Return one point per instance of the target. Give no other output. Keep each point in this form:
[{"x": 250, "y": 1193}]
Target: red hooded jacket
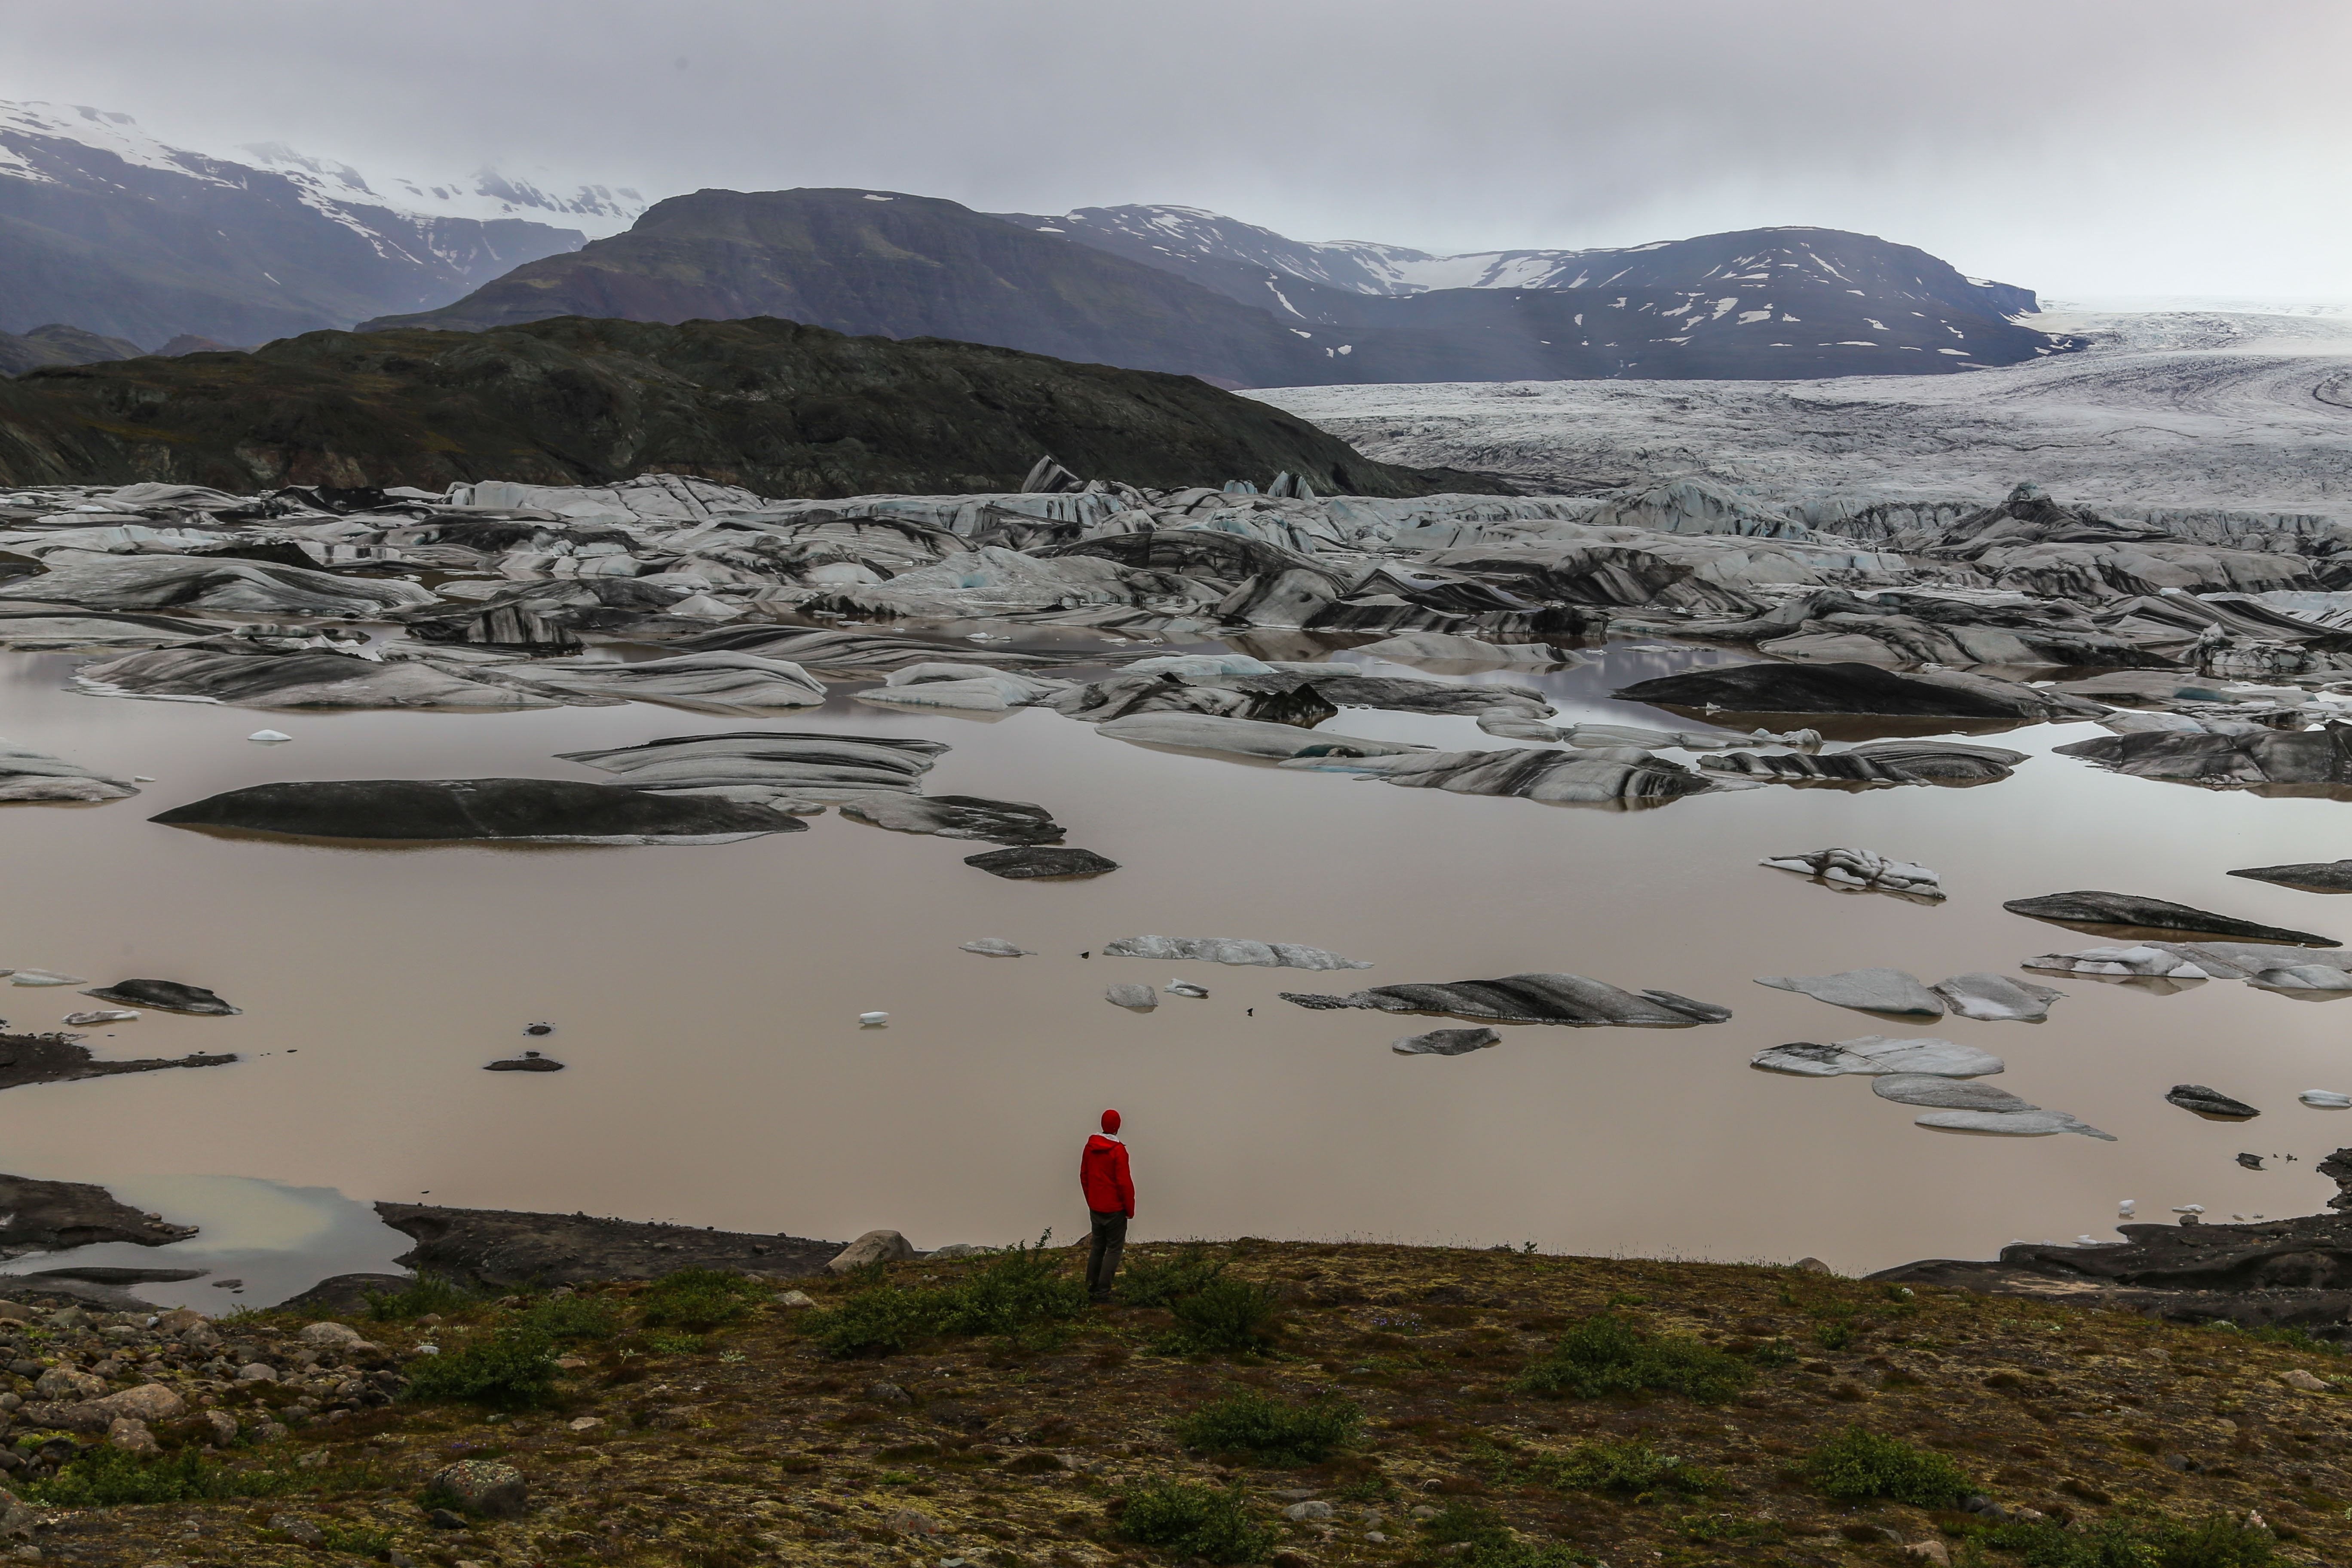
[{"x": 1102, "y": 1176}]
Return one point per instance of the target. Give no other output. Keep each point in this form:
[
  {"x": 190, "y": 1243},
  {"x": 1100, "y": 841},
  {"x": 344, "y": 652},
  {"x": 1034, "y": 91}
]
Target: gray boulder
[
  {"x": 1875, "y": 1054},
  {"x": 997, "y": 947},
  {"x": 1995, "y": 998},
  {"x": 1228, "y": 950},
  {"x": 1134, "y": 998},
  {"x": 165, "y": 995},
  {"x": 2311, "y": 876},
  {"x": 2094, "y": 909},
  {"x": 2211, "y": 1102},
  {"x": 1445, "y": 1043},
  {"x": 1540, "y": 998},
  {"x": 30, "y": 775},
  {"x": 543, "y": 811},
  {"x": 957, "y": 817},
  {"x": 874, "y": 1246},
  {"x": 1865, "y": 989},
  {"x": 1031, "y": 862},
  {"x": 1938, "y": 1092}
]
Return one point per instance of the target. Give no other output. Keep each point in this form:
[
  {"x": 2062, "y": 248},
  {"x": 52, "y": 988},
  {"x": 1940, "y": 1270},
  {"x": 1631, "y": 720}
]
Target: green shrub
[
  {"x": 1482, "y": 1540},
  {"x": 359, "y": 1539},
  {"x": 1162, "y": 1282},
  {"x": 573, "y": 1318},
  {"x": 1607, "y": 1354},
  {"x": 107, "y": 1477},
  {"x": 511, "y": 1369},
  {"x": 1225, "y": 1315},
  {"x": 428, "y": 1292},
  {"x": 2214, "y": 1542},
  {"x": 1248, "y": 1422},
  {"x": 883, "y": 1320},
  {"x": 1194, "y": 1520},
  {"x": 1014, "y": 1292},
  {"x": 700, "y": 1299},
  {"x": 1836, "y": 1336},
  {"x": 1857, "y": 1466},
  {"x": 1009, "y": 1291},
  {"x": 1628, "y": 1469},
  {"x": 662, "y": 1344}
]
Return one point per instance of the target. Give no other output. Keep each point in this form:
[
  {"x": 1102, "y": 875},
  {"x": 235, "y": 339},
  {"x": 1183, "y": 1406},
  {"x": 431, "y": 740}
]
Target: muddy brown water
[{"x": 706, "y": 1000}]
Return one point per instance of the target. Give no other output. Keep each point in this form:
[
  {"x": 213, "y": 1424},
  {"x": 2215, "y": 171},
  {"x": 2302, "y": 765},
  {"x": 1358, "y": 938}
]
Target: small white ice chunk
[{"x": 270, "y": 737}]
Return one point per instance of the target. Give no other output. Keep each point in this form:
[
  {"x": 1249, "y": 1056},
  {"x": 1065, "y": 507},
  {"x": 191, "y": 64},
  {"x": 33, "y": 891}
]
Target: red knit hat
[{"x": 1111, "y": 1122}]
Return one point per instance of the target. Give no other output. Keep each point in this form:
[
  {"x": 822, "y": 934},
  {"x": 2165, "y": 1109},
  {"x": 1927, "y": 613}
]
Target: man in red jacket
[{"x": 1110, "y": 1203}]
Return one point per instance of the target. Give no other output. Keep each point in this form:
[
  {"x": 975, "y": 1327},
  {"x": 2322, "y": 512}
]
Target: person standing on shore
[{"x": 1110, "y": 1203}]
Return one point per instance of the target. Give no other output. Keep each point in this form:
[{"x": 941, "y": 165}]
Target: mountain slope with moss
[{"x": 1295, "y": 1404}]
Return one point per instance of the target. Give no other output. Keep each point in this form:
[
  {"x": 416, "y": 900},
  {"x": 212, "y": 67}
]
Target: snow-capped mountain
[
  {"x": 1212, "y": 247},
  {"x": 485, "y": 195},
  {"x": 113, "y": 230}
]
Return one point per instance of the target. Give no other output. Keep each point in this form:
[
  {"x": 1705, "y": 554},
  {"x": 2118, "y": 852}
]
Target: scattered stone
[
  {"x": 301, "y": 1531},
  {"x": 1995, "y": 998},
  {"x": 1859, "y": 870},
  {"x": 1133, "y": 997},
  {"x": 1031, "y": 862},
  {"x": 482, "y": 1487},
  {"x": 908, "y": 1521},
  {"x": 1539, "y": 998},
  {"x": 530, "y": 1061},
  {"x": 544, "y": 810},
  {"x": 2250, "y": 1162},
  {"x": 874, "y": 1246},
  {"x": 1445, "y": 1043},
  {"x": 2210, "y": 1102},
  {"x": 2157, "y": 914},
  {"x": 1877, "y": 1053},
  {"x": 1228, "y": 950},
  {"x": 796, "y": 1299},
  {"x": 1299, "y": 1511},
  {"x": 997, "y": 947},
  {"x": 1865, "y": 989},
  {"x": 328, "y": 1332},
  {"x": 2295, "y": 1377},
  {"x": 888, "y": 1394},
  {"x": 165, "y": 996}
]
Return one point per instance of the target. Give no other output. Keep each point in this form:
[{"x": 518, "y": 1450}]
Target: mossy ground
[{"x": 755, "y": 1449}]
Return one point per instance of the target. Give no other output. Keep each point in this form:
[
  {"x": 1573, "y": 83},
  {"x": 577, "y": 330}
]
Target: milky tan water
[{"x": 706, "y": 999}]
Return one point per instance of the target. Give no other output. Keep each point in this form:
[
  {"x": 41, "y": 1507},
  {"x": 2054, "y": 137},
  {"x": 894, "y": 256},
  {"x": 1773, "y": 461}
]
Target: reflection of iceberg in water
[{"x": 279, "y": 1241}]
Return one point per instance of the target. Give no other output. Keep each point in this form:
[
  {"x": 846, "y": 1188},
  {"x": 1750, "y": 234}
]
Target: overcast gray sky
[{"x": 2075, "y": 146}]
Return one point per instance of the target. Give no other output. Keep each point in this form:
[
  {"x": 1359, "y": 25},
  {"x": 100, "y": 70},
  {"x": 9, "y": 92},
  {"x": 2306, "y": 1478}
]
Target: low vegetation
[{"x": 1294, "y": 1406}]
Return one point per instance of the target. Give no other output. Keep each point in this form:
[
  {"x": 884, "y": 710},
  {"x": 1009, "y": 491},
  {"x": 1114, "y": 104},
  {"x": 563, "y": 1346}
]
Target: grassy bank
[{"x": 1418, "y": 1405}]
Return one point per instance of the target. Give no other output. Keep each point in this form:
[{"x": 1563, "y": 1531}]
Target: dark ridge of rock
[
  {"x": 165, "y": 996},
  {"x": 57, "y": 1058},
  {"x": 50, "y": 1217},
  {"x": 345, "y": 1295},
  {"x": 2207, "y": 1101},
  {"x": 96, "y": 1275},
  {"x": 2092, "y": 909},
  {"x": 530, "y": 1061},
  {"x": 775, "y": 406},
  {"x": 511, "y": 1248},
  {"x": 1773, "y": 687},
  {"x": 1445, "y": 1043},
  {"x": 544, "y": 810},
  {"x": 1032, "y": 861},
  {"x": 1262, "y": 699},
  {"x": 1537, "y": 998},
  {"x": 2284, "y": 762},
  {"x": 2294, "y": 1273},
  {"x": 2310, "y": 876}
]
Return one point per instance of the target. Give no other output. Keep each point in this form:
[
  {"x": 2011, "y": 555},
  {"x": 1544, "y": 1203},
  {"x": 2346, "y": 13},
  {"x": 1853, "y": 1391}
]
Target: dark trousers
[{"x": 1102, "y": 1258}]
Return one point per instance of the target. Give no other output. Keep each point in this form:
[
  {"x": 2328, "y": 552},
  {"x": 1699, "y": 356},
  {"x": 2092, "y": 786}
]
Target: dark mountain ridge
[
  {"x": 780, "y": 408},
  {"x": 1767, "y": 303}
]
